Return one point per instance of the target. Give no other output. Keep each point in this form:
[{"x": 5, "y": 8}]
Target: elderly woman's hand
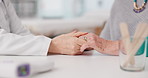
[
  {"x": 68, "y": 44},
  {"x": 100, "y": 44}
]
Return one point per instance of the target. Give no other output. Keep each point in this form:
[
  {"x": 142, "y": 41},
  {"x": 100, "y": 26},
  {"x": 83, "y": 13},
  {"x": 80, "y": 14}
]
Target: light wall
[
  {"x": 60, "y": 8},
  {"x": 98, "y": 5},
  {"x": 72, "y": 8}
]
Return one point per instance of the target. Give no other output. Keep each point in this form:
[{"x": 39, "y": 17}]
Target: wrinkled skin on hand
[
  {"x": 100, "y": 44},
  {"x": 67, "y": 44}
]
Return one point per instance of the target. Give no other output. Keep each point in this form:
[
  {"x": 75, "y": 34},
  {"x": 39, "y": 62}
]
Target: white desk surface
[{"x": 89, "y": 65}]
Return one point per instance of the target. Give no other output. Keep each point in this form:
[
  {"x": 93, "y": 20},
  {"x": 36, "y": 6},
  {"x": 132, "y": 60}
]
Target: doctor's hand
[
  {"x": 100, "y": 44},
  {"x": 68, "y": 44}
]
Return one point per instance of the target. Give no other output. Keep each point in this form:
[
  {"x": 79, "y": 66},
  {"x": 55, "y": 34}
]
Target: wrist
[{"x": 52, "y": 47}]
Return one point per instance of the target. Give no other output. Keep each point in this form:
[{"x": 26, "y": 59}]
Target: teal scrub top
[
  {"x": 147, "y": 47},
  {"x": 142, "y": 48}
]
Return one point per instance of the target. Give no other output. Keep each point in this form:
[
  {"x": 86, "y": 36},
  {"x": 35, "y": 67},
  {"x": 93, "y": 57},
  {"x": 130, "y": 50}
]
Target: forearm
[{"x": 108, "y": 46}]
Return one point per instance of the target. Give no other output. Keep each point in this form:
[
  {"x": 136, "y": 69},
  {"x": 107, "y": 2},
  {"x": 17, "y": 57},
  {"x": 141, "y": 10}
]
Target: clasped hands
[{"x": 75, "y": 43}]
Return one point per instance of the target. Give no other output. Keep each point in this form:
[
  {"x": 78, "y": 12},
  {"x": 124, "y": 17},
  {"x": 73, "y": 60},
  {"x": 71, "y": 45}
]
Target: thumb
[
  {"x": 78, "y": 34},
  {"x": 83, "y": 47}
]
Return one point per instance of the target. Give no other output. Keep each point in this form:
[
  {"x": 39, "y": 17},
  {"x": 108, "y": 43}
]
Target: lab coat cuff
[{"x": 46, "y": 46}]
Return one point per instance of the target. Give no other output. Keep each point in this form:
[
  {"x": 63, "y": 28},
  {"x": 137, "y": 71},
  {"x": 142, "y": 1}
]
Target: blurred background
[{"x": 55, "y": 17}]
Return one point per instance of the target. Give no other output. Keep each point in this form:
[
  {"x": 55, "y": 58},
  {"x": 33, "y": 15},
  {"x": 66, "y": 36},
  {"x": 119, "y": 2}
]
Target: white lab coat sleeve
[
  {"x": 12, "y": 44},
  {"x": 15, "y": 23}
]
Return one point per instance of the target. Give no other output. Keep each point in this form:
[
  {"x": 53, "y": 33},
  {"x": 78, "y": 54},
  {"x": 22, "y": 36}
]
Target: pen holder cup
[{"x": 132, "y": 57}]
